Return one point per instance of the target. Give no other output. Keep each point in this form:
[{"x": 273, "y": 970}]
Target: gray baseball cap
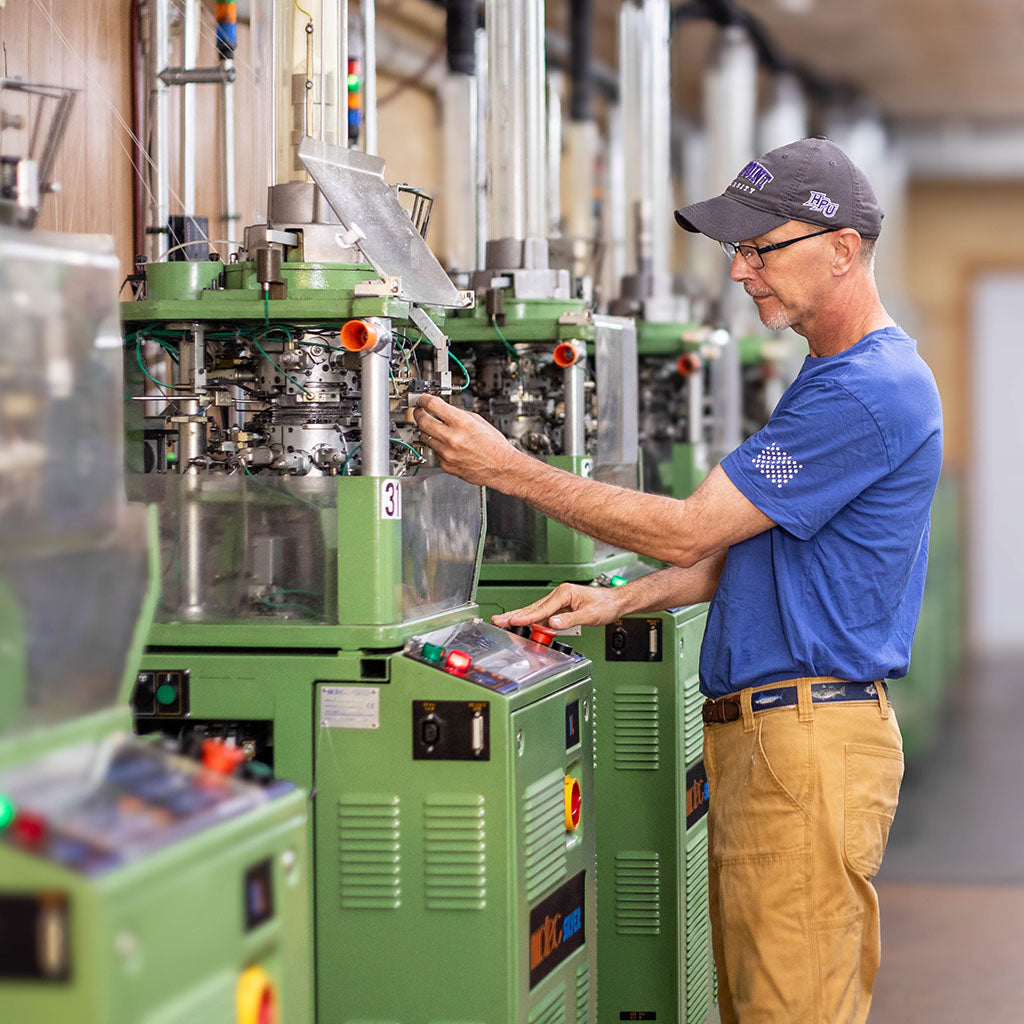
[{"x": 810, "y": 180}]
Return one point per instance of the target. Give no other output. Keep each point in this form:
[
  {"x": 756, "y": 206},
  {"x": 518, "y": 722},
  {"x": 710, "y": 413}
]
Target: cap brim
[{"x": 727, "y": 220}]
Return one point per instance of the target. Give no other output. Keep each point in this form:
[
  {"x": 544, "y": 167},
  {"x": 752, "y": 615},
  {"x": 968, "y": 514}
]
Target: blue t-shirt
[{"x": 847, "y": 467}]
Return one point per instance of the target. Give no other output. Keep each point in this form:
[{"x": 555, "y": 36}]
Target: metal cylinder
[
  {"x": 230, "y": 215},
  {"x": 535, "y": 140},
  {"x": 192, "y": 431},
  {"x": 160, "y": 153},
  {"x": 581, "y": 29},
  {"x": 459, "y": 114},
  {"x": 784, "y": 120},
  {"x": 574, "y": 430},
  {"x": 190, "y": 547},
  {"x": 188, "y": 149},
  {"x": 369, "y": 76},
  {"x": 375, "y": 407},
  {"x": 506, "y": 119},
  {"x": 644, "y": 73}
]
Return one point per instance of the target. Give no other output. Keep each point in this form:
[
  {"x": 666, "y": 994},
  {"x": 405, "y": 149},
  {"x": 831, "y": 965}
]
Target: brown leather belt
[{"x": 727, "y": 709}]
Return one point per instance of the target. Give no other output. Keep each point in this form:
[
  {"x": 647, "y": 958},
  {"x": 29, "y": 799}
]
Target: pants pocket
[{"x": 873, "y": 777}]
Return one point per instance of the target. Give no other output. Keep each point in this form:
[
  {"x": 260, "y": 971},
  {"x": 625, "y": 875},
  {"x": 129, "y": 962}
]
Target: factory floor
[{"x": 951, "y": 887}]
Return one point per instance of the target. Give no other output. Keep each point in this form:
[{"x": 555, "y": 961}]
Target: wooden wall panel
[{"x": 83, "y": 45}]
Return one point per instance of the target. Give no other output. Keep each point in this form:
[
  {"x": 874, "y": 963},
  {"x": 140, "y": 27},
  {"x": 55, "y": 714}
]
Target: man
[{"x": 810, "y": 540}]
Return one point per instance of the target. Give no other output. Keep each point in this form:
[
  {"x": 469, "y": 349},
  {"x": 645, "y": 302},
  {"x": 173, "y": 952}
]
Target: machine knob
[
  {"x": 220, "y": 756},
  {"x": 542, "y": 635},
  {"x": 573, "y": 803}
]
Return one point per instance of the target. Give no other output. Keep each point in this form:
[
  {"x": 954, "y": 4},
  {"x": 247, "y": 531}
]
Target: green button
[
  {"x": 432, "y": 653},
  {"x": 6, "y": 812},
  {"x": 618, "y": 581},
  {"x": 167, "y": 694}
]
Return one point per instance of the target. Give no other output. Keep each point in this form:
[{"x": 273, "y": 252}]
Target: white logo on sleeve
[{"x": 780, "y": 467}]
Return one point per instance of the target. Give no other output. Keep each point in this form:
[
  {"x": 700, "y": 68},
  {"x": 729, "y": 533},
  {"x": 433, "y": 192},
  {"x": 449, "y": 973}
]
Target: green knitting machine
[
  {"x": 137, "y": 883},
  {"x": 318, "y": 613},
  {"x": 561, "y": 384}
]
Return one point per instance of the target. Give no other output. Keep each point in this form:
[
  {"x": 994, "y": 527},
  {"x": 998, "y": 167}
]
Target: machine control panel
[
  {"x": 502, "y": 660},
  {"x": 99, "y": 805}
]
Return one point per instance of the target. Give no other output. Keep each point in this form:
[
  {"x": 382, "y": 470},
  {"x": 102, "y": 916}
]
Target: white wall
[{"x": 996, "y": 465}]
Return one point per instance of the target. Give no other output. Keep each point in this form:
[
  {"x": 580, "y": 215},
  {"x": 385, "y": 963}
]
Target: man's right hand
[{"x": 569, "y": 604}]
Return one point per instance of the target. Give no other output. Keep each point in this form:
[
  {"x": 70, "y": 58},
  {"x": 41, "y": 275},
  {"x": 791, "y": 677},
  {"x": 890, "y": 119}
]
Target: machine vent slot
[
  {"x": 454, "y": 851},
  {"x": 693, "y": 723},
  {"x": 583, "y": 993},
  {"x": 369, "y": 852},
  {"x": 637, "y": 893},
  {"x": 698, "y": 928},
  {"x": 551, "y": 1011},
  {"x": 544, "y": 833},
  {"x": 636, "y": 728}
]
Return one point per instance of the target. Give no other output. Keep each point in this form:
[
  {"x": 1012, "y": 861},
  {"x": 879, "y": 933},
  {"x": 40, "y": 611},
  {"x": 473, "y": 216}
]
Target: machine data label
[
  {"x": 697, "y": 794},
  {"x": 637, "y": 1015},
  {"x": 557, "y": 927},
  {"x": 390, "y": 499},
  {"x": 350, "y": 707}
]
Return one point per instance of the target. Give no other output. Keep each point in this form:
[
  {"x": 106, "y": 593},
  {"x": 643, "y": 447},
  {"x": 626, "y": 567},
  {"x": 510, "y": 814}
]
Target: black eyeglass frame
[{"x": 749, "y": 251}]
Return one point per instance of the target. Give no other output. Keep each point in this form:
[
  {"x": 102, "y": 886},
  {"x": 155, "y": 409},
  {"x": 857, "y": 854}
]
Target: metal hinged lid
[{"x": 374, "y": 220}]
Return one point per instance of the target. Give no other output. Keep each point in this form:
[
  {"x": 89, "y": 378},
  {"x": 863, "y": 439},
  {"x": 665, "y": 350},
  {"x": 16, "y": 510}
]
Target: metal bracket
[{"x": 389, "y": 288}]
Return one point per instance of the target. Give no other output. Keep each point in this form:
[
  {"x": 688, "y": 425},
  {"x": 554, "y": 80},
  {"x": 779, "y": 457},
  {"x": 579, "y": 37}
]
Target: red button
[
  {"x": 542, "y": 635},
  {"x": 29, "y": 829},
  {"x": 573, "y": 803},
  {"x": 457, "y": 661},
  {"x": 221, "y": 757}
]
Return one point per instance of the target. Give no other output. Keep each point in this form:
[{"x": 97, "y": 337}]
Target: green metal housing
[{"x": 654, "y": 939}]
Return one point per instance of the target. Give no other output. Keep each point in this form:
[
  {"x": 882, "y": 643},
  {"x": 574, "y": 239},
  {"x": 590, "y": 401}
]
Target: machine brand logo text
[
  {"x": 557, "y": 928},
  {"x": 697, "y": 793}
]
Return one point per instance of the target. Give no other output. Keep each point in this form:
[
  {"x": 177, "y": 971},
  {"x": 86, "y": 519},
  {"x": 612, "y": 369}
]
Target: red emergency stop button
[
  {"x": 542, "y": 635},
  {"x": 573, "y": 802},
  {"x": 255, "y": 998}
]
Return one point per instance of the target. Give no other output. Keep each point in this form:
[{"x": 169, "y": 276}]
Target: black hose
[
  {"x": 581, "y": 32},
  {"x": 461, "y": 32}
]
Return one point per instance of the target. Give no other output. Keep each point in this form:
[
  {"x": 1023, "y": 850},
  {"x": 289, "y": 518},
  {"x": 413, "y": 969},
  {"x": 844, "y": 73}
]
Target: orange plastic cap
[
  {"x": 566, "y": 354},
  {"x": 358, "y": 336},
  {"x": 218, "y": 756},
  {"x": 688, "y": 363}
]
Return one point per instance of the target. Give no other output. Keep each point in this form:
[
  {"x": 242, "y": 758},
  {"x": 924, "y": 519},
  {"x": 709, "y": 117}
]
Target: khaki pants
[{"x": 801, "y": 800}]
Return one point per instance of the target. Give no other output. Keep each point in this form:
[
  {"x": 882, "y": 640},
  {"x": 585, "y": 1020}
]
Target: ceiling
[{"x": 913, "y": 59}]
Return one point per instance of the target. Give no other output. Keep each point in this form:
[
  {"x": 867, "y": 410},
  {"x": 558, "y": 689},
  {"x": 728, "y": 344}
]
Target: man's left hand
[{"x": 466, "y": 444}]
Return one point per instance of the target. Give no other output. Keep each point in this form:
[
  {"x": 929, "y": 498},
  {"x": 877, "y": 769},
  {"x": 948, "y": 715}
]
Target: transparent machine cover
[{"x": 73, "y": 555}]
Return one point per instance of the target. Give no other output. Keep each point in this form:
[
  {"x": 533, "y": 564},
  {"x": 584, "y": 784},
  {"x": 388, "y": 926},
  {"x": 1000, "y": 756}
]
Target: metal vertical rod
[
  {"x": 695, "y": 407},
  {"x": 376, "y": 413},
  {"x": 322, "y": 76},
  {"x": 370, "y": 75},
  {"x": 536, "y": 121},
  {"x": 574, "y": 433},
  {"x": 228, "y": 112},
  {"x": 191, "y": 437},
  {"x": 341, "y": 78},
  {"x": 190, "y": 57},
  {"x": 553, "y": 169},
  {"x": 159, "y": 48},
  {"x": 506, "y": 120},
  {"x": 482, "y": 142}
]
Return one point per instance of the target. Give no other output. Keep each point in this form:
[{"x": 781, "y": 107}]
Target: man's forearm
[
  {"x": 673, "y": 587},
  {"x": 649, "y": 524}
]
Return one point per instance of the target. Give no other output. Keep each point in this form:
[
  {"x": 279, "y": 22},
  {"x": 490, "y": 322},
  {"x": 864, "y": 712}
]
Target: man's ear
[{"x": 845, "y": 250}]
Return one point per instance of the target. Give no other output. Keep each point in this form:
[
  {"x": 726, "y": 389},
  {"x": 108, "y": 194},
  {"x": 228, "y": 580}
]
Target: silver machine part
[
  {"x": 461, "y": 142},
  {"x": 25, "y": 180},
  {"x": 615, "y": 362},
  {"x": 574, "y": 441},
  {"x": 369, "y": 11},
  {"x": 374, "y": 453}
]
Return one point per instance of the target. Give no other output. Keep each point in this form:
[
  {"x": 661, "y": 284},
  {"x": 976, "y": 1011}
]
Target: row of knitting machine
[{"x": 498, "y": 825}]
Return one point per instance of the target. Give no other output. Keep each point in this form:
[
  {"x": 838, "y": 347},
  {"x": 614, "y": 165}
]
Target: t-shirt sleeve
[{"x": 813, "y": 457}]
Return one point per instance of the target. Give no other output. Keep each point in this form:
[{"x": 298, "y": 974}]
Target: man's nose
[{"x": 740, "y": 270}]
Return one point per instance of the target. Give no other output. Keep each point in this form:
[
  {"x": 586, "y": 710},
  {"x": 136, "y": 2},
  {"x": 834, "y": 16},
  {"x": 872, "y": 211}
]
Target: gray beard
[{"x": 778, "y": 322}]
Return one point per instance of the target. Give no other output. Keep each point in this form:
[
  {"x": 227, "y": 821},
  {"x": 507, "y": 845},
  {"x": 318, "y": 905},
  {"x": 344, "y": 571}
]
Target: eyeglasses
[{"x": 753, "y": 253}]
